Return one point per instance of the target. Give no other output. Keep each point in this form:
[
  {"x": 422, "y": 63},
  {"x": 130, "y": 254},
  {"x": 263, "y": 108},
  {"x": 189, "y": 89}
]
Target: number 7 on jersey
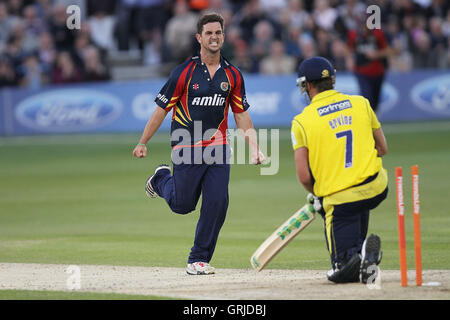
[{"x": 348, "y": 135}]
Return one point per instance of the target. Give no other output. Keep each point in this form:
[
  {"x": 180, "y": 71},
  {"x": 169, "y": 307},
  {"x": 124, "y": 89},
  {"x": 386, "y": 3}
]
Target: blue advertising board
[{"x": 274, "y": 101}]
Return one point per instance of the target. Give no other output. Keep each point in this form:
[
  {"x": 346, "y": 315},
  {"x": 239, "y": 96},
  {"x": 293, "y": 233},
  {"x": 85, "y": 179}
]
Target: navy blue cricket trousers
[
  {"x": 182, "y": 190},
  {"x": 349, "y": 221}
]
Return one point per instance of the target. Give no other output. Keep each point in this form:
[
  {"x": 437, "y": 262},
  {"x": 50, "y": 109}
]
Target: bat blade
[{"x": 282, "y": 236}]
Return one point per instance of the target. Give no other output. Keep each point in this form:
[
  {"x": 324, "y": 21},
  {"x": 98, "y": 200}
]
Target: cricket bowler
[{"x": 200, "y": 93}]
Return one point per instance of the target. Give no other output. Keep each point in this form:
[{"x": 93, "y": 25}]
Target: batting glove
[{"x": 314, "y": 201}]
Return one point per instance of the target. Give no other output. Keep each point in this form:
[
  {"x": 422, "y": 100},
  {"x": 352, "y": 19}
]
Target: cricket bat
[{"x": 282, "y": 236}]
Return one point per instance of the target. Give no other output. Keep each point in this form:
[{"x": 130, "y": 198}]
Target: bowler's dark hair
[
  {"x": 323, "y": 84},
  {"x": 207, "y": 18}
]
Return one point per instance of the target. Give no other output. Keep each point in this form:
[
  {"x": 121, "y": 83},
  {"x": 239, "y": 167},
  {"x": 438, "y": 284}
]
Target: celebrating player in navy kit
[{"x": 199, "y": 92}]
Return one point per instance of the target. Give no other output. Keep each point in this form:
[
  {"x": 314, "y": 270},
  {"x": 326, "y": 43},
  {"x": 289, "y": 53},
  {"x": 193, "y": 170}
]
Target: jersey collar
[
  {"x": 223, "y": 62},
  {"x": 323, "y": 95}
]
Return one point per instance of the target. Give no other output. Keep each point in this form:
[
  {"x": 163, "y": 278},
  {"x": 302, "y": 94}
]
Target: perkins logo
[
  {"x": 68, "y": 110},
  {"x": 335, "y": 107},
  {"x": 433, "y": 95},
  {"x": 216, "y": 101}
]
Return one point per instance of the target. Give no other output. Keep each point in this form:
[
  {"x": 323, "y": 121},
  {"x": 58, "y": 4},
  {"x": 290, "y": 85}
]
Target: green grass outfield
[
  {"x": 72, "y": 295},
  {"x": 79, "y": 199}
]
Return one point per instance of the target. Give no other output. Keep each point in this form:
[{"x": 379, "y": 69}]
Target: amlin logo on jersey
[
  {"x": 335, "y": 107},
  {"x": 216, "y": 101},
  {"x": 68, "y": 110}
]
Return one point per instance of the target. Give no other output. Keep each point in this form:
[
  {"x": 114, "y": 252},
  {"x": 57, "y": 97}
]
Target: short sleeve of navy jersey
[
  {"x": 238, "y": 99},
  {"x": 165, "y": 95},
  {"x": 171, "y": 91}
]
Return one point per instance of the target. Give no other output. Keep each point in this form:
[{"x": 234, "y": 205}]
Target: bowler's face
[{"x": 212, "y": 37}]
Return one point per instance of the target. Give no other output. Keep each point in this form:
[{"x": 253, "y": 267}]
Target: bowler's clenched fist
[{"x": 140, "y": 151}]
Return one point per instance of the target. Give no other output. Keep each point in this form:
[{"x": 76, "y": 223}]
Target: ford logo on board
[
  {"x": 68, "y": 110},
  {"x": 433, "y": 95}
]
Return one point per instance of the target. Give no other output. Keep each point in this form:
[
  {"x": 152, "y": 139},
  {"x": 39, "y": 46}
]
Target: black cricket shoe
[
  {"x": 371, "y": 258},
  {"x": 347, "y": 273},
  {"x": 151, "y": 193}
]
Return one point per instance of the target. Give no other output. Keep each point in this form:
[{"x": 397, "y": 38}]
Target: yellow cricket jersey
[{"x": 338, "y": 130}]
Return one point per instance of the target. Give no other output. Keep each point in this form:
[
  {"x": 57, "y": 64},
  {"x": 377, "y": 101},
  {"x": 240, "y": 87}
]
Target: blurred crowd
[{"x": 262, "y": 36}]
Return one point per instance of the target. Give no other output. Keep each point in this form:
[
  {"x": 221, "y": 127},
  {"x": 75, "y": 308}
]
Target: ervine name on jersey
[
  {"x": 340, "y": 120},
  {"x": 216, "y": 101},
  {"x": 334, "y": 107}
]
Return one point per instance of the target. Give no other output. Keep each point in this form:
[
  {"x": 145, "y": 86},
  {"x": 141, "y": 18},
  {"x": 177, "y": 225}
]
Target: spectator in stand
[
  {"x": 422, "y": 55},
  {"x": 446, "y": 25},
  {"x": 44, "y": 9},
  {"x": 101, "y": 26},
  {"x": 33, "y": 23},
  {"x": 180, "y": 31},
  {"x": 278, "y": 62},
  {"x": 7, "y": 73},
  {"x": 15, "y": 7},
  {"x": 294, "y": 15},
  {"x": 324, "y": 15},
  {"x": 126, "y": 24},
  {"x": 438, "y": 42},
  {"x": 145, "y": 19},
  {"x": 437, "y": 8},
  {"x": 27, "y": 41},
  {"x": 82, "y": 43},
  {"x": 273, "y": 7},
  {"x": 263, "y": 37},
  {"x": 151, "y": 18},
  {"x": 30, "y": 27},
  {"x": 14, "y": 51},
  {"x": 407, "y": 25},
  {"x": 323, "y": 43},
  {"x": 232, "y": 37},
  {"x": 65, "y": 70},
  {"x": 6, "y": 25},
  {"x": 419, "y": 25},
  {"x": 94, "y": 69},
  {"x": 291, "y": 42},
  {"x": 307, "y": 46},
  {"x": 402, "y": 61},
  {"x": 404, "y": 8},
  {"x": 31, "y": 73},
  {"x": 46, "y": 52},
  {"x": 349, "y": 12},
  {"x": 219, "y": 6},
  {"x": 249, "y": 16},
  {"x": 108, "y": 7},
  {"x": 63, "y": 37},
  {"x": 448, "y": 52},
  {"x": 242, "y": 58},
  {"x": 340, "y": 55}
]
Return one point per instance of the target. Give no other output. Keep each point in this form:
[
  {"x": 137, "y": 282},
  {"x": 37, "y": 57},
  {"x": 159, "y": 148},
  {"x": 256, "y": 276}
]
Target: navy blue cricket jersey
[{"x": 194, "y": 96}]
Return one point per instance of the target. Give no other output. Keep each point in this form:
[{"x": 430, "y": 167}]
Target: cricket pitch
[{"x": 235, "y": 284}]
